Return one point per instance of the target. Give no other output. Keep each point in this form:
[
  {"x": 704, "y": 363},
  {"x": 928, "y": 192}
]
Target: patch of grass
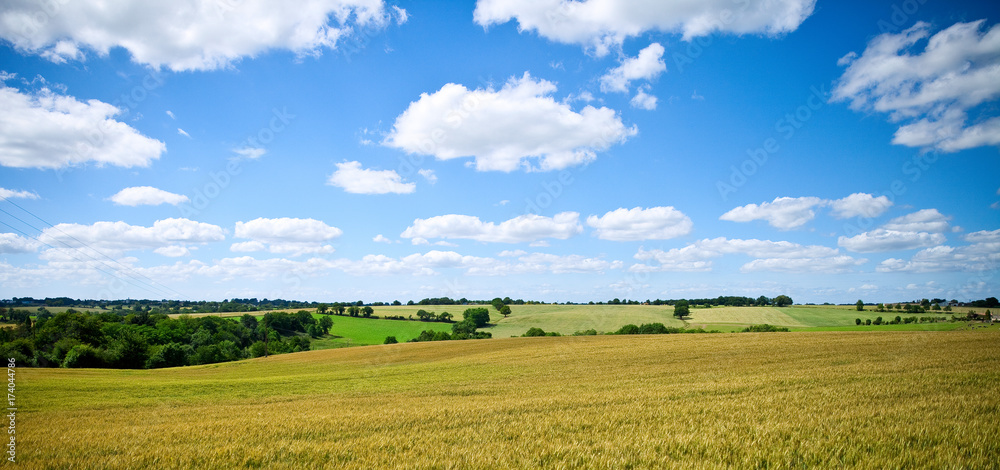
[{"x": 878, "y": 399}]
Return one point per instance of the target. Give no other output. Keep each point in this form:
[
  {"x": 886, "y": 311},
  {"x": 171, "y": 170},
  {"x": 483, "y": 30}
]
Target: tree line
[{"x": 144, "y": 340}]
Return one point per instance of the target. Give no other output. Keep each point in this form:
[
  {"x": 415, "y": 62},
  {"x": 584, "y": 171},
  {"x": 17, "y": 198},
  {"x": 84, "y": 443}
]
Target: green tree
[
  {"x": 390, "y": 340},
  {"x": 505, "y": 311},
  {"x": 860, "y": 306},
  {"x": 857, "y": 321},
  {"x": 682, "y": 309},
  {"x": 497, "y": 303},
  {"x": 534, "y": 331},
  {"x": 479, "y": 316},
  {"x": 325, "y": 324},
  {"x": 322, "y": 308},
  {"x": 782, "y": 301}
]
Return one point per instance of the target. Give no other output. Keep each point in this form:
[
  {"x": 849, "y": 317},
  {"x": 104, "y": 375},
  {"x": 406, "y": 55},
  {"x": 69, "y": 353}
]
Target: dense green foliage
[
  {"x": 144, "y": 340},
  {"x": 765, "y": 328},
  {"x": 656, "y": 329}
]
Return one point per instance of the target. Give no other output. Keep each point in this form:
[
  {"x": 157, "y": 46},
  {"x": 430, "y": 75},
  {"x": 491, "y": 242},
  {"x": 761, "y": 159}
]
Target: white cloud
[
  {"x": 601, "y": 25},
  {"x": 428, "y": 175},
  {"x": 47, "y": 130},
  {"x": 930, "y": 92},
  {"x": 983, "y": 236},
  {"x": 860, "y": 205},
  {"x": 926, "y": 220},
  {"x": 642, "y": 100},
  {"x": 117, "y": 237},
  {"x": 646, "y": 66},
  {"x": 505, "y": 129},
  {"x": 285, "y": 235},
  {"x": 831, "y": 265},
  {"x": 14, "y": 243},
  {"x": 354, "y": 179},
  {"x": 381, "y": 239},
  {"x": 980, "y": 257},
  {"x": 173, "y": 251},
  {"x": 521, "y": 229},
  {"x": 187, "y": 34},
  {"x": 697, "y": 256},
  {"x": 784, "y": 213},
  {"x": 250, "y": 153},
  {"x": 655, "y": 223},
  {"x": 16, "y": 194},
  {"x": 183, "y": 132},
  {"x": 171, "y": 114},
  {"x": 146, "y": 196},
  {"x": 889, "y": 240}
]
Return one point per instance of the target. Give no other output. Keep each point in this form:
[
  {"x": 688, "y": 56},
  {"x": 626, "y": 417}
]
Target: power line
[{"x": 129, "y": 271}]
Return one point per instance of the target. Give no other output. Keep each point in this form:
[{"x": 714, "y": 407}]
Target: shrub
[
  {"x": 765, "y": 328},
  {"x": 390, "y": 340},
  {"x": 84, "y": 355},
  {"x": 534, "y": 331},
  {"x": 629, "y": 329}
]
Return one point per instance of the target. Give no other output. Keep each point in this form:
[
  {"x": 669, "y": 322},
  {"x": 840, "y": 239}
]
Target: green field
[
  {"x": 355, "y": 331},
  {"x": 880, "y": 399}
]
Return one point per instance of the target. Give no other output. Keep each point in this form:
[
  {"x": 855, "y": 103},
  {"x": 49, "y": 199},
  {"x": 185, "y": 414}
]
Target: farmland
[{"x": 873, "y": 399}]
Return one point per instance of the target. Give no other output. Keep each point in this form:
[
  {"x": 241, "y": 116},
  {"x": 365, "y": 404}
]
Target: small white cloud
[
  {"x": 926, "y": 220},
  {"x": 16, "y": 194},
  {"x": 250, "y": 153},
  {"x": 696, "y": 96},
  {"x": 354, "y": 179},
  {"x": 860, "y": 205},
  {"x": 646, "y": 66},
  {"x": 784, "y": 213},
  {"x": 642, "y": 100},
  {"x": 401, "y": 15},
  {"x": 147, "y": 196},
  {"x": 525, "y": 228},
  {"x": 173, "y": 251},
  {"x": 889, "y": 240},
  {"x": 428, "y": 175},
  {"x": 183, "y": 132},
  {"x": 655, "y": 223},
  {"x": 171, "y": 114},
  {"x": 511, "y": 253},
  {"x": 381, "y": 239}
]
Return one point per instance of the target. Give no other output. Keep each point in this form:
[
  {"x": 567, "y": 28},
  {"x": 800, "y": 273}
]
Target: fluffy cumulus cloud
[
  {"x": 860, "y": 205},
  {"x": 601, "y": 25},
  {"x": 643, "y": 100},
  {"x": 186, "y": 34},
  {"x": 979, "y": 257},
  {"x": 506, "y": 129},
  {"x": 146, "y": 196},
  {"x": 655, "y": 223},
  {"x": 16, "y": 194},
  {"x": 285, "y": 235},
  {"x": 925, "y": 220},
  {"x": 354, "y": 179},
  {"x": 784, "y": 213},
  {"x": 782, "y": 256},
  {"x": 47, "y": 130},
  {"x": 930, "y": 92},
  {"x": 889, "y": 240},
  {"x": 647, "y": 65},
  {"x": 14, "y": 243},
  {"x": 522, "y": 229},
  {"x": 114, "y": 238}
]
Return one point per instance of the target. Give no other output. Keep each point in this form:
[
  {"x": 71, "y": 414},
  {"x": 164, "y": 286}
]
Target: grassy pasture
[{"x": 836, "y": 399}]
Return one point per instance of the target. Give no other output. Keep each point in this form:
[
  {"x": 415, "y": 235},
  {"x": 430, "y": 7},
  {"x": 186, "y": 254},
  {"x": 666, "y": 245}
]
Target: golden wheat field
[{"x": 769, "y": 400}]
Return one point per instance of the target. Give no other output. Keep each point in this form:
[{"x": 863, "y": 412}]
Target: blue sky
[{"x": 549, "y": 150}]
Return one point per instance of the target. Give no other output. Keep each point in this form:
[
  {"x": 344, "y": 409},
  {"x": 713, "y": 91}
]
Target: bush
[
  {"x": 167, "y": 355},
  {"x": 629, "y": 329},
  {"x": 857, "y": 321},
  {"x": 534, "y": 331},
  {"x": 479, "y": 316},
  {"x": 84, "y": 355},
  {"x": 765, "y": 328},
  {"x": 390, "y": 340},
  {"x": 590, "y": 332},
  {"x": 653, "y": 329}
]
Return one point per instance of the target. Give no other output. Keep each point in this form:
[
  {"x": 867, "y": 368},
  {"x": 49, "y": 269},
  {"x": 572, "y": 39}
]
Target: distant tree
[
  {"x": 249, "y": 322},
  {"x": 762, "y": 301},
  {"x": 497, "y": 303},
  {"x": 396, "y": 303},
  {"x": 445, "y": 317},
  {"x": 935, "y": 307},
  {"x": 869, "y": 321},
  {"x": 878, "y": 320},
  {"x": 947, "y": 308},
  {"x": 479, "y": 316},
  {"x": 325, "y": 324},
  {"x": 860, "y": 306},
  {"x": 534, "y": 331},
  {"x": 879, "y": 308},
  {"x": 424, "y": 315},
  {"x": 505, "y": 311},
  {"x": 926, "y": 304},
  {"x": 390, "y": 340},
  {"x": 322, "y": 308},
  {"x": 682, "y": 309},
  {"x": 782, "y": 301},
  {"x": 857, "y": 321},
  {"x": 367, "y": 311}
]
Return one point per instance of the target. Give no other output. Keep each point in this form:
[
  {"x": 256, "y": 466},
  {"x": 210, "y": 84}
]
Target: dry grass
[{"x": 841, "y": 399}]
